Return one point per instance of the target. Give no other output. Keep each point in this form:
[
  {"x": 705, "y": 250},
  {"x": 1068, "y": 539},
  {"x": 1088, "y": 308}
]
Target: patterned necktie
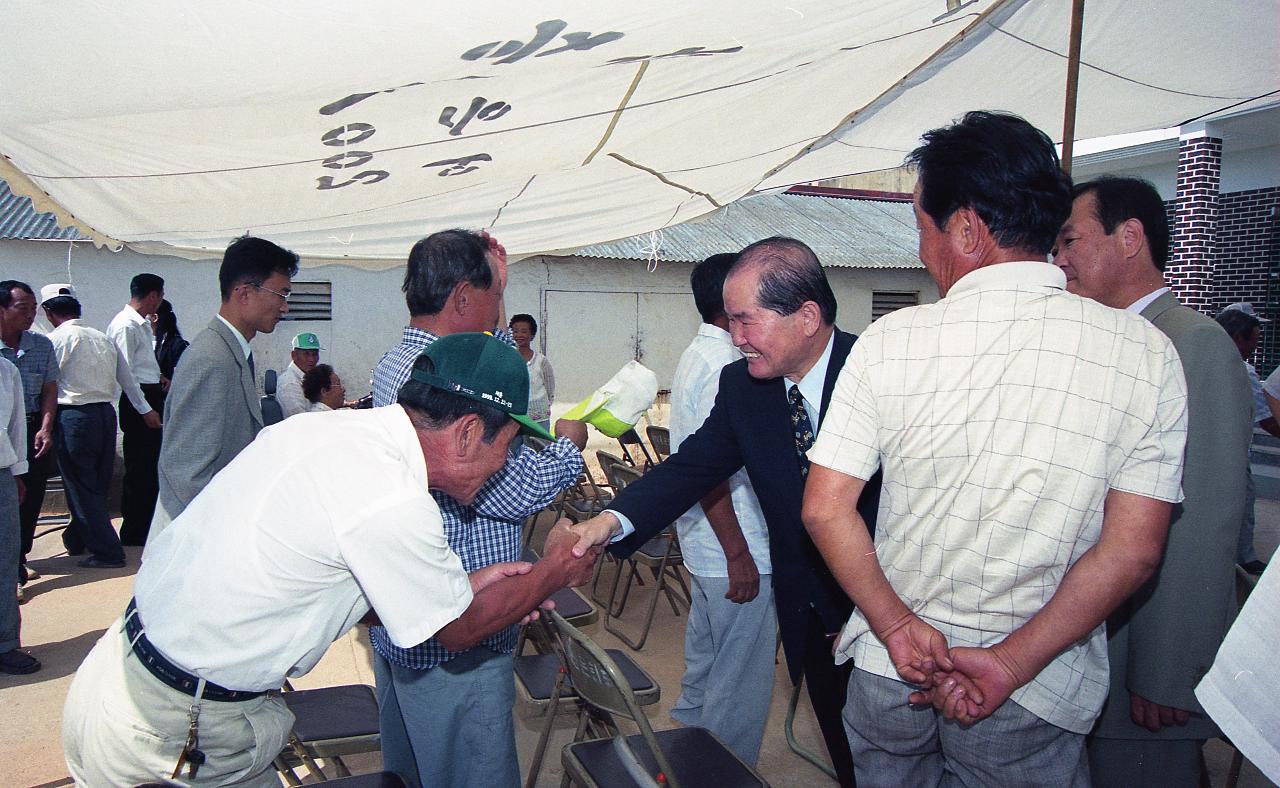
[{"x": 801, "y": 427}]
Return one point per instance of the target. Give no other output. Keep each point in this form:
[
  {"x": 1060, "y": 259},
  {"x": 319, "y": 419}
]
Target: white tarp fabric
[{"x": 349, "y": 130}]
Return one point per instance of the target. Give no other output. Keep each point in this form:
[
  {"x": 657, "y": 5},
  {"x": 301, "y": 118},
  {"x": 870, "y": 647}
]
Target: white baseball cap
[{"x": 54, "y": 290}]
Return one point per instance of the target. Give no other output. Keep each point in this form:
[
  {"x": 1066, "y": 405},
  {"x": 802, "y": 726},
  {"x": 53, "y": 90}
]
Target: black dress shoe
[
  {"x": 93, "y": 562},
  {"x": 1254, "y": 567}
]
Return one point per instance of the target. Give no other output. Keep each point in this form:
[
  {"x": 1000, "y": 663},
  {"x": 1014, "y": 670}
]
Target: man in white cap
[
  {"x": 303, "y": 358},
  {"x": 91, "y": 372},
  {"x": 1244, "y": 326}
]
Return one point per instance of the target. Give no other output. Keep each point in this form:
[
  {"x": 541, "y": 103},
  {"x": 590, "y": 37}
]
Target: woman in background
[
  {"x": 542, "y": 380},
  {"x": 169, "y": 341},
  {"x": 323, "y": 388}
]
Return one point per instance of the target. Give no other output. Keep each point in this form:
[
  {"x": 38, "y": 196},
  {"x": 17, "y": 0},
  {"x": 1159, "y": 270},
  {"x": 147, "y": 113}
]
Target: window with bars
[
  {"x": 310, "y": 301},
  {"x": 885, "y": 301}
]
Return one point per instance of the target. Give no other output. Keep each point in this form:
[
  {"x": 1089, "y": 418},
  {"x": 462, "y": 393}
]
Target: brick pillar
[{"x": 1195, "y": 225}]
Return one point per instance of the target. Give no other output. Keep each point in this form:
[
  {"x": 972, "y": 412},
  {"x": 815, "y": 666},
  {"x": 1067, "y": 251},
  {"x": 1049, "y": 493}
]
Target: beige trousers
[{"x": 122, "y": 726}]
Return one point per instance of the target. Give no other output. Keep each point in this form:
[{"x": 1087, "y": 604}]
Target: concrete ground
[{"x": 69, "y": 608}]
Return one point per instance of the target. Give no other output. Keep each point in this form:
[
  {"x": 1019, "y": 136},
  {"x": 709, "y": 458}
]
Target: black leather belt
[{"x": 169, "y": 673}]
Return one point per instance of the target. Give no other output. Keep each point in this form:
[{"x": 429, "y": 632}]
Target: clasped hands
[{"x": 965, "y": 684}]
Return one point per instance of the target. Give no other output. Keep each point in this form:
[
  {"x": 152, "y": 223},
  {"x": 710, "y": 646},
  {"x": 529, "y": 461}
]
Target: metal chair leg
[
  {"x": 789, "y": 729},
  {"x": 545, "y": 737}
]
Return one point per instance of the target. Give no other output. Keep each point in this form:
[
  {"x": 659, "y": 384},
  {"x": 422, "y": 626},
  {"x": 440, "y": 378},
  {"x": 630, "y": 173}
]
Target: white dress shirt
[
  {"x": 13, "y": 444},
  {"x": 91, "y": 368},
  {"x": 318, "y": 407},
  {"x": 1001, "y": 416},
  {"x": 812, "y": 383},
  {"x": 289, "y": 392},
  {"x": 693, "y": 393},
  {"x": 244, "y": 343},
  {"x": 287, "y": 548},
  {"x": 137, "y": 342}
]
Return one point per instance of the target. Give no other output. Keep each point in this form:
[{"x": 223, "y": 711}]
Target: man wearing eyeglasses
[{"x": 213, "y": 410}]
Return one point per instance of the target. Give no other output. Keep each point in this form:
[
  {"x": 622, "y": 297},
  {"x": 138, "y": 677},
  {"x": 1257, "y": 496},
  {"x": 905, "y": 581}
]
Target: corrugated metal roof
[
  {"x": 18, "y": 219},
  {"x": 847, "y": 233}
]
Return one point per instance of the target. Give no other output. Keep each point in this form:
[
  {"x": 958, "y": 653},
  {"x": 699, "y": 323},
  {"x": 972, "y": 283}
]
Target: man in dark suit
[
  {"x": 1163, "y": 639},
  {"x": 213, "y": 410},
  {"x": 782, "y": 317}
]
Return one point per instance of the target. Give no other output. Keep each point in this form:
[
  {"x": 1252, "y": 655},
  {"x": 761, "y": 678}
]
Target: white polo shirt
[
  {"x": 91, "y": 369},
  {"x": 289, "y": 545},
  {"x": 289, "y": 391},
  {"x": 1001, "y": 417}
]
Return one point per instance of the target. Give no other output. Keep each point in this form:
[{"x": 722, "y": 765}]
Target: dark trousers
[
  {"x": 86, "y": 442},
  {"x": 141, "y": 457},
  {"x": 828, "y": 683},
  {"x": 35, "y": 479}
]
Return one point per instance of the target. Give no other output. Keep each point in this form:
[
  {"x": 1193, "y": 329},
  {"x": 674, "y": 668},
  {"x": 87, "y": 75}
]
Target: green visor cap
[
  {"x": 306, "y": 341},
  {"x": 483, "y": 368}
]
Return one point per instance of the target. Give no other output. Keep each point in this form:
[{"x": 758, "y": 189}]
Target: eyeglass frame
[{"x": 282, "y": 296}]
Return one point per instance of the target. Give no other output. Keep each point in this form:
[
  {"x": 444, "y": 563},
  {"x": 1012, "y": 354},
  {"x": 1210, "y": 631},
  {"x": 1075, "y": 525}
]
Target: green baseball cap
[
  {"x": 483, "y": 368},
  {"x": 307, "y": 340}
]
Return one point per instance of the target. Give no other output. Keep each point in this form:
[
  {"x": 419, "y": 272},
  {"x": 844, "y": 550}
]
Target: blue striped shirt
[{"x": 489, "y": 530}]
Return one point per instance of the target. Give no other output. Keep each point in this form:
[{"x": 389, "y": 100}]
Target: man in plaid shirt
[{"x": 445, "y": 716}]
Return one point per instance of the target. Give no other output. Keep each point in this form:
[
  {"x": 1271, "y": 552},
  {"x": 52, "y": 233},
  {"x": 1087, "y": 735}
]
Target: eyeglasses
[{"x": 284, "y": 296}]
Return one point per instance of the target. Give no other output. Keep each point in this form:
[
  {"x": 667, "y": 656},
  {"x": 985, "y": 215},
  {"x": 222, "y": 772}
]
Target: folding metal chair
[
  {"x": 661, "y": 555},
  {"x": 660, "y": 440},
  {"x": 542, "y": 681},
  {"x": 631, "y": 438},
  {"x": 330, "y": 722},
  {"x": 375, "y": 780},
  {"x": 789, "y": 730},
  {"x": 680, "y": 756}
]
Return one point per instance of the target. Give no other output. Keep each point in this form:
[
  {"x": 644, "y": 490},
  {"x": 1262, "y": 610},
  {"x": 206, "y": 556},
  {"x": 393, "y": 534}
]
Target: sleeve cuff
[{"x": 627, "y": 528}]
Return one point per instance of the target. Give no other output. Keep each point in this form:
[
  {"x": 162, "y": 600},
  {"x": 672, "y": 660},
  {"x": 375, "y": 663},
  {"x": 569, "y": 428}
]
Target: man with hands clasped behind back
[{"x": 1031, "y": 443}]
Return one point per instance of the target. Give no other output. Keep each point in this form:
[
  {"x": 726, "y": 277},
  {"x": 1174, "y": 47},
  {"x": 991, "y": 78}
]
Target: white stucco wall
[{"x": 599, "y": 305}]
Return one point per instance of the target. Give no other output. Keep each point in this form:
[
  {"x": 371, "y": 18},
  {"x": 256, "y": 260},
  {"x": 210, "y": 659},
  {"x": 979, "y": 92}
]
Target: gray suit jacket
[
  {"x": 1164, "y": 638},
  {"x": 212, "y": 412}
]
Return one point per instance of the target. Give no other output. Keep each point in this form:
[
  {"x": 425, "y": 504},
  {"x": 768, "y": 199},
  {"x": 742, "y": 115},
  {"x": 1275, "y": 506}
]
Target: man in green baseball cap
[
  {"x": 302, "y": 359},
  {"x": 328, "y": 521},
  {"x": 484, "y": 369}
]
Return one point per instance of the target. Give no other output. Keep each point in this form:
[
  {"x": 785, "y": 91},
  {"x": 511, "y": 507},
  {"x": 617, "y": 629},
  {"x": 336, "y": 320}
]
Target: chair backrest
[
  {"x": 632, "y": 438},
  {"x": 536, "y": 443},
  {"x": 624, "y": 475},
  {"x": 607, "y": 461},
  {"x": 601, "y": 684},
  {"x": 660, "y": 439},
  {"x": 271, "y": 410}
]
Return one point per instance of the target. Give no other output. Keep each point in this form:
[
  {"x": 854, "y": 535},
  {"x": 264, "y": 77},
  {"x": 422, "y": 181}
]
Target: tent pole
[{"x": 1073, "y": 82}]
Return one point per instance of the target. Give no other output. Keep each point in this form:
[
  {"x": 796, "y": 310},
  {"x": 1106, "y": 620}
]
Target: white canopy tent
[{"x": 350, "y": 130}]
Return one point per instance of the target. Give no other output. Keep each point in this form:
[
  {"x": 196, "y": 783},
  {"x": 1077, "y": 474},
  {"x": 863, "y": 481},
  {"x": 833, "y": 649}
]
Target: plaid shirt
[{"x": 489, "y": 530}]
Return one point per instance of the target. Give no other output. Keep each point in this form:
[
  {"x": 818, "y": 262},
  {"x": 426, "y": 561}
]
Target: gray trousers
[
  {"x": 729, "y": 664},
  {"x": 894, "y": 744},
  {"x": 1132, "y": 763},
  {"x": 10, "y": 539},
  {"x": 450, "y": 725}
]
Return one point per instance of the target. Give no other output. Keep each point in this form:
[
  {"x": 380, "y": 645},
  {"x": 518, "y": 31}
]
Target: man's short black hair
[
  {"x": 431, "y": 408},
  {"x": 144, "y": 285},
  {"x": 438, "y": 263},
  {"x": 63, "y": 306},
  {"x": 7, "y": 287},
  {"x": 1237, "y": 323},
  {"x": 528, "y": 320},
  {"x": 1120, "y": 199},
  {"x": 250, "y": 260},
  {"x": 707, "y": 281},
  {"x": 316, "y": 380},
  {"x": 790, "y": 275},
  {"x": 1003, "y": 168}
]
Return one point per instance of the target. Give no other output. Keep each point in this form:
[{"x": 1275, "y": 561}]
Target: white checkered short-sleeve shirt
[{"x": 1002, "y": 415}]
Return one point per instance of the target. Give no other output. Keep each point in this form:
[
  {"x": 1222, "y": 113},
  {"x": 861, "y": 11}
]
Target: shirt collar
[
  {"x": 1142, "y": 303},
  {"x": 417, "y": 336},
  {"x": 135, "y": 316},
  {"x": 714, "y": 332},
  {"x": 816, "y": 378},
  {"x": 1002, "y": 276},
  {"x": 244, "y": 343}
]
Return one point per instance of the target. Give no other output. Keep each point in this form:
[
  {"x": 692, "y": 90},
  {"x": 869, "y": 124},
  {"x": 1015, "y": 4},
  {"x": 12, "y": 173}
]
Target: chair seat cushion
[
  {"x": 333, "y": 712},
  {"x": 538, "y": 673},
  {"x": 697, "y": 757},
  {"x": 375, "y": 780}
]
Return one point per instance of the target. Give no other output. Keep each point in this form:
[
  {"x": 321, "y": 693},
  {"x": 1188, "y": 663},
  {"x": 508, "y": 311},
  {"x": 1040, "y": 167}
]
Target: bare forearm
[
  {"x": 718, "y": 506},
  {"x": 1106, "y": 575},
  {"x": 840, "y": 534},
  {"x": 500, "y": 605},
  {"x": 48, "y": 405}
]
